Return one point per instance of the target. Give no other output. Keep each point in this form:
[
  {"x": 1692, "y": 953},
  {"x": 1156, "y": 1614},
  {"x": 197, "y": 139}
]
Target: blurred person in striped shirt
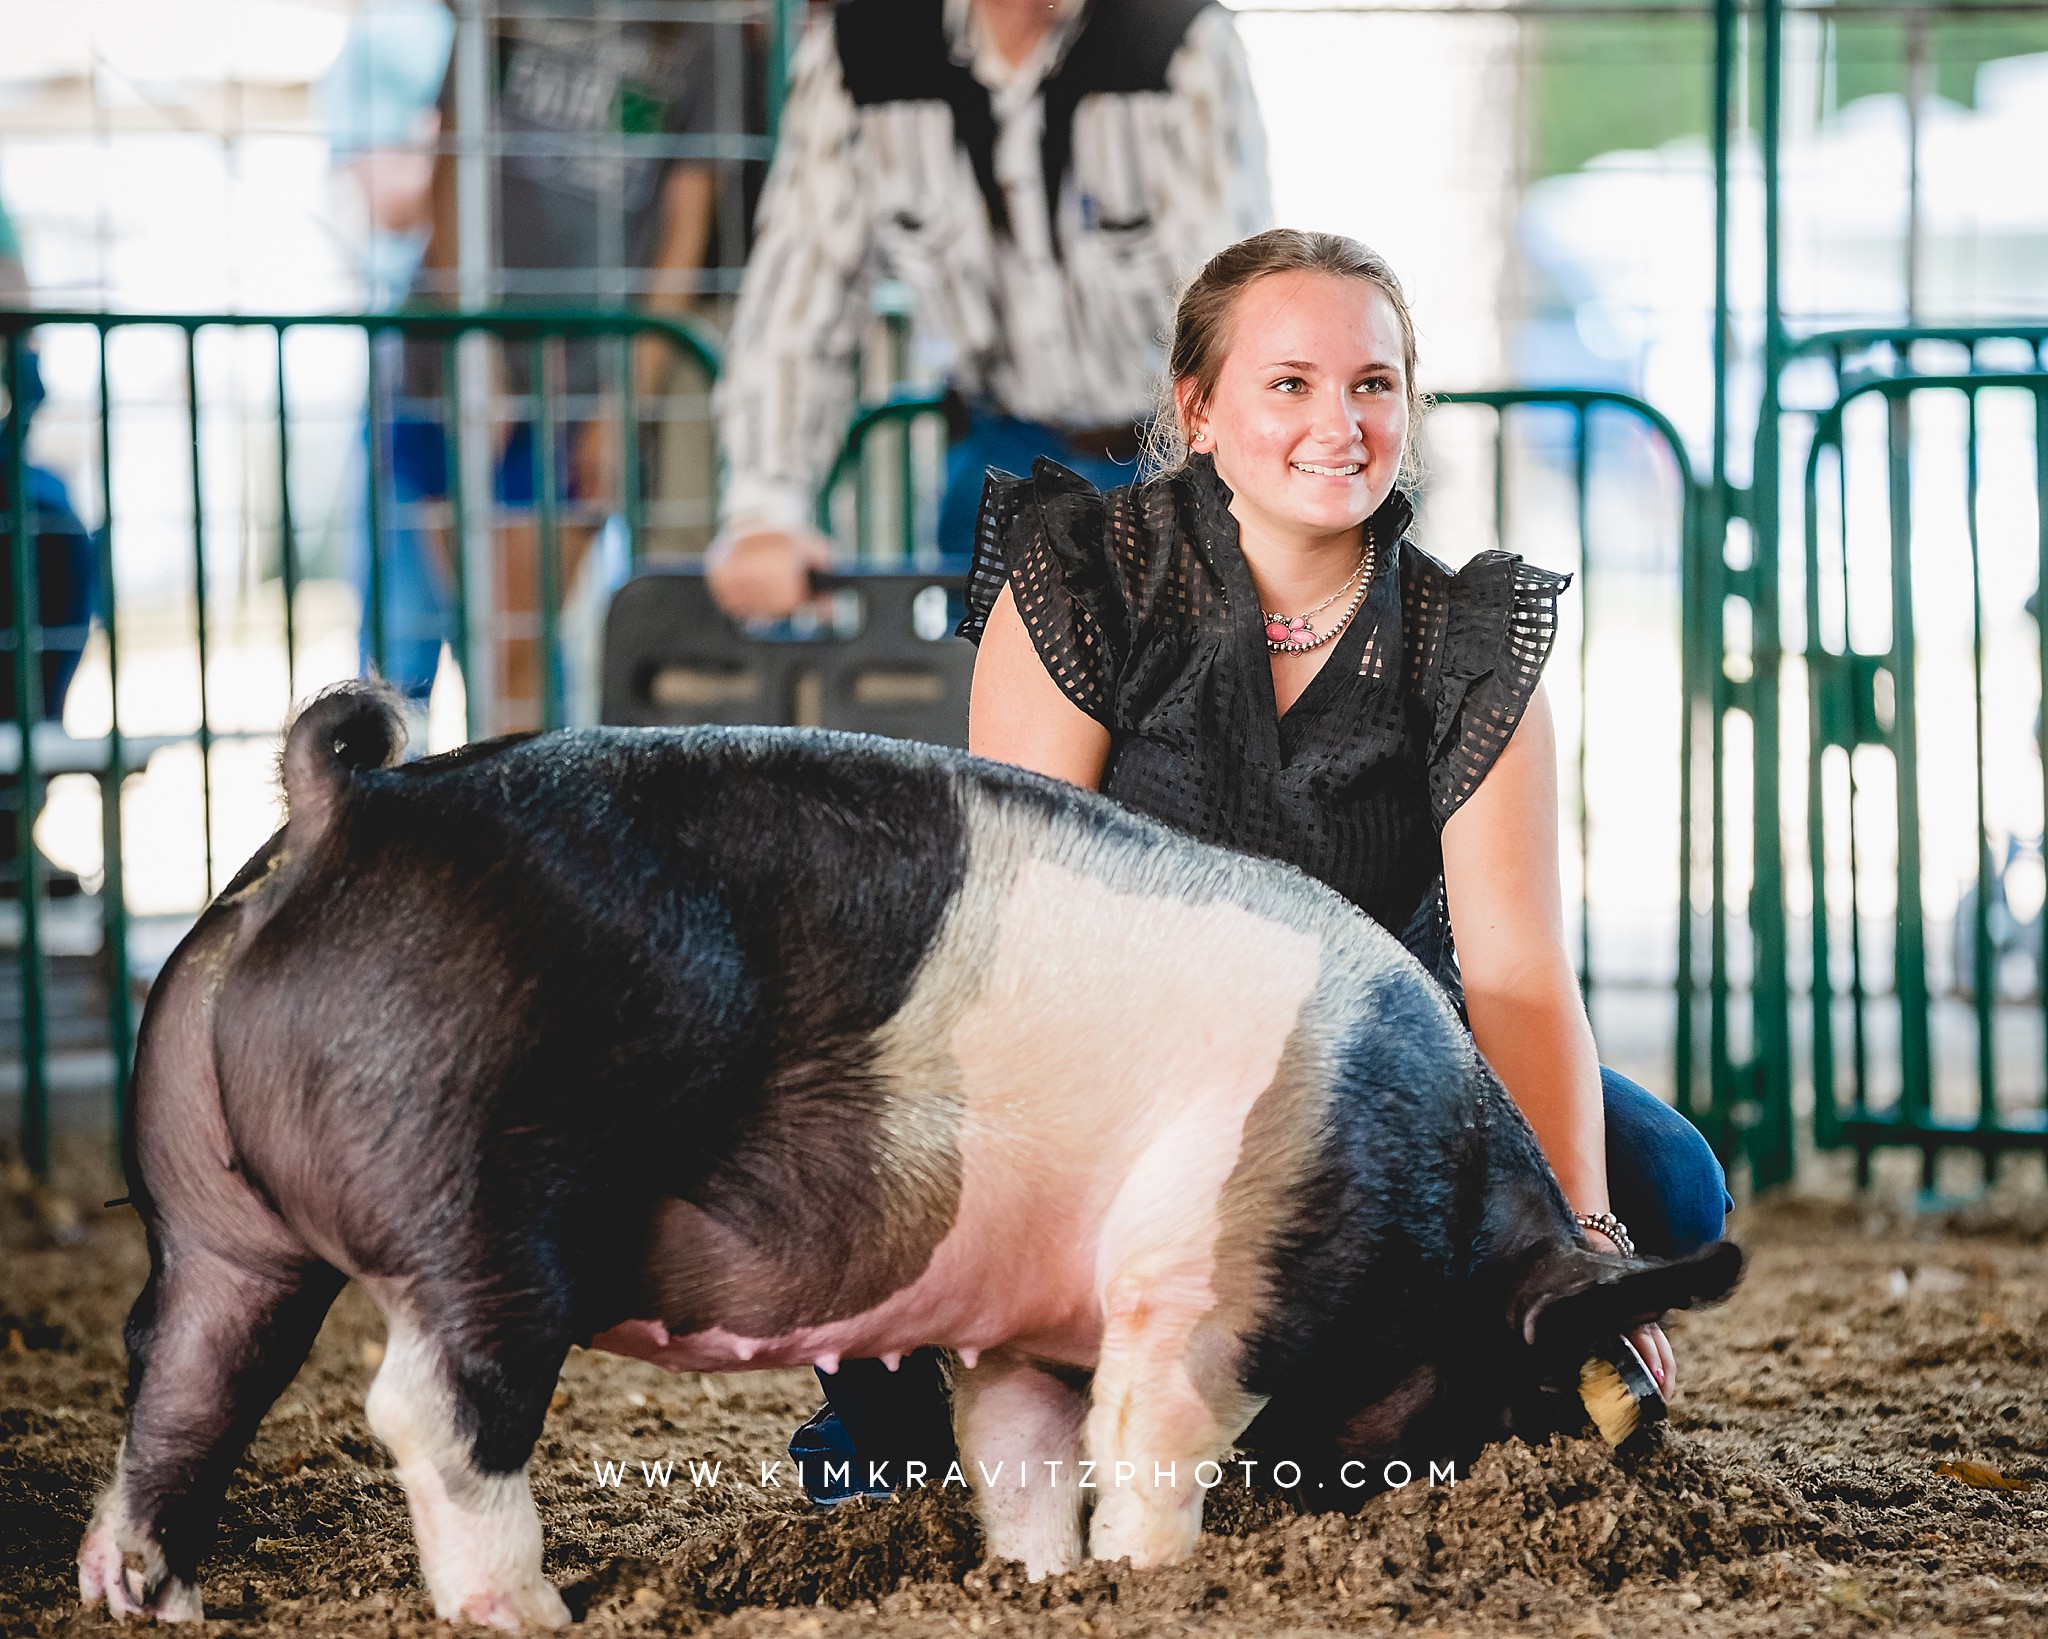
[{"x": 1042, "y": 175}]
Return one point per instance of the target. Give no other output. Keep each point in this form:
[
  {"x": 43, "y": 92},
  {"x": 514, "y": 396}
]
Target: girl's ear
[{"x": 1187, "y": 407}]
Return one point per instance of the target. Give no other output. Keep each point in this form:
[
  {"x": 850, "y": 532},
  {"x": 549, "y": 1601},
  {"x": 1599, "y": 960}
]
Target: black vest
[{"x": 897, "y": 51}]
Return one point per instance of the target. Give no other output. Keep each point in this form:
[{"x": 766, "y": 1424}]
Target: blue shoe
[{"x": 823, "y": 1440}]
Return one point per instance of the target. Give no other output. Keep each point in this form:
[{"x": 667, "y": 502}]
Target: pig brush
[{"x": 1620, "y": 1394}]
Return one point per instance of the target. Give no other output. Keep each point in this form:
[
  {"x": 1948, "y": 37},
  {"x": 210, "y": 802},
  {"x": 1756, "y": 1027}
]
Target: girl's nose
[{"x": 1338, "y": 415}]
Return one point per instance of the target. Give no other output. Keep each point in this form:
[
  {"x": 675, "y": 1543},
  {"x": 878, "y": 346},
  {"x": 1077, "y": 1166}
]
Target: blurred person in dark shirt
[{"x": 590, "y": 211}]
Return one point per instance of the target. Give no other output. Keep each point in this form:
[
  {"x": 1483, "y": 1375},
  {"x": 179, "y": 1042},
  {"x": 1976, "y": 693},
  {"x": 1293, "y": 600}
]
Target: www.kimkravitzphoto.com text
[{"x": 697, "y": 1474}]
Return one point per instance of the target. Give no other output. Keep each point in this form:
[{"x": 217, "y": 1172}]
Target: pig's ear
[{"x": 1571, "y": 1296}]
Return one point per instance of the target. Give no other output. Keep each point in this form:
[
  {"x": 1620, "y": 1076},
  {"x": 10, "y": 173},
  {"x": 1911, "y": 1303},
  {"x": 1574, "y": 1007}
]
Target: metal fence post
[
  {"x": 199, "y": 600},
  {"x": 547, "y": 543},
  {"x": 1909, "y": 953},
  {"x": 287, "y": 535},
  {"x": 1770, "y": 1137},
  {"x": 1711, "y": 677},
  {"x": 453, "y": 415},
  {"x": 113, "y": 886},
  {"x": 28, "y": 712},
  {"x": 375, "y": 487},
  {"x": 2041, "y": 649}
]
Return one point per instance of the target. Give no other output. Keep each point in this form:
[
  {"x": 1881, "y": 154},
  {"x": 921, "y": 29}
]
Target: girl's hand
[
  {"x": 1650, "y": 1341},
  {"x": 1655, "y": 1348}
]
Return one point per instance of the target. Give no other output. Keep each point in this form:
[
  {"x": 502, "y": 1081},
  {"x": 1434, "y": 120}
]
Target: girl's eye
[
  {"x": 1375, "y": 384},
  {"x": 1289, "y": 384}
]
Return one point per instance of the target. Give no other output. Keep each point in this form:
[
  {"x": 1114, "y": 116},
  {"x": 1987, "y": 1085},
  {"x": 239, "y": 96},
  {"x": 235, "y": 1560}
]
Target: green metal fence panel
[
  {"x": 41, "y": 748},
  {"x": 1704, "y": 1088},
  {"x": 1713, "y": 1086},
  {"x": 1811, "y": 384},
  {"x": 1866, "y": 695}
]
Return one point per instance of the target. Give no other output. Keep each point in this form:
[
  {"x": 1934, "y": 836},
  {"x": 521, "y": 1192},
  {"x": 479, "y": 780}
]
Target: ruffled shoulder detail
[
  {"x": 1045, "y": 537},
  {"x": 1486, "y": 632}
]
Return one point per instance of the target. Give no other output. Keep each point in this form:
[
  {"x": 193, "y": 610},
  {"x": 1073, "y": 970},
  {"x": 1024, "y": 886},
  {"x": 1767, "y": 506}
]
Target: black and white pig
[{"x": 776, "y": 1047}]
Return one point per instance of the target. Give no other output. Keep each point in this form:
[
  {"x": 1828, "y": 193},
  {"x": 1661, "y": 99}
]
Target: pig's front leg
[
  {"x": 1019, "y": 1432},
  {"x": 1166, "y": 1400},
  {"x": 461, "y": 1430}
]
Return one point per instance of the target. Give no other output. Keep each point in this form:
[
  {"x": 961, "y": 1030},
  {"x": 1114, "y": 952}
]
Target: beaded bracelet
[{"x": 1610, "y": 1226}]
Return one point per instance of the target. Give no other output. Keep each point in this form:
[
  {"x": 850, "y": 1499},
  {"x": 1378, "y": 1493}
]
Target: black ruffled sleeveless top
[{"x": 1144, "y": 611}]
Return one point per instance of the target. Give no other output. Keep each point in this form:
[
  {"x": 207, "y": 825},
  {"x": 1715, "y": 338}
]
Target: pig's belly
[{"x": 1106, "y": 1050}]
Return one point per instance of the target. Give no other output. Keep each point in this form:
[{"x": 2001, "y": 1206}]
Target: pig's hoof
[
  {"x": 537, "y": 1605},
  {"x": 1041, "y": 1529},
  {"x": 1144, "y": 1529},
  {"x": 1041, "y": 1557},
  {"x": 132, "y": 1582}
]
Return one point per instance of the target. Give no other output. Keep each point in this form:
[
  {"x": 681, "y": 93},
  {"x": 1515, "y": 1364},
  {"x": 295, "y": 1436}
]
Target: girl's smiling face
[{"x": 1310, "y": 411}]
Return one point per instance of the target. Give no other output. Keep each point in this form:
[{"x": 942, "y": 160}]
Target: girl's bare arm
[{"x": 1018, "y": 714}]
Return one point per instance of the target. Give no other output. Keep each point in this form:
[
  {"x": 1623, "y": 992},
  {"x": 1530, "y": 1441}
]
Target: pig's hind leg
[
  {"x": 461, "y": 1426},
  {"x": 460, "y": 1399},
  {"x": 212, "y": 1341},
  {"x": 1019, "y": 1432}
]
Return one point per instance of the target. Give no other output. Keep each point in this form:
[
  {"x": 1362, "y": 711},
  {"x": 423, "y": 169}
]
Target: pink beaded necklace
[{"x": 1293, "y": 634}]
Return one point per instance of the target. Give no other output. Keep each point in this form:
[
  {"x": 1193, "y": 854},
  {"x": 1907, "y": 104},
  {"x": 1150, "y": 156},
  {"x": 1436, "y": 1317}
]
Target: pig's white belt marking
[
  {"x": 1107, "y": 1047},
  {"x": 1125, "y": 1038}
]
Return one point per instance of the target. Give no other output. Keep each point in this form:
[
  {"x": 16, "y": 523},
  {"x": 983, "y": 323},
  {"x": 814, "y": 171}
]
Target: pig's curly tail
[{"x": 337, "y": 734}]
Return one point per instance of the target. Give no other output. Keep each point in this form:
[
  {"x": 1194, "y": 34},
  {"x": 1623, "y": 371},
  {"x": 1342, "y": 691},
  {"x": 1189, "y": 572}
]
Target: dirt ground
[{"x": 1860, "y": 1444}]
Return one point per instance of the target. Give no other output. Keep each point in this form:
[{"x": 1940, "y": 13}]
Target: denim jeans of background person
[
  {"x": 1663, "y": 1181},
  {"x": 989, "y": 441},
  {"x": 415, "y": 578}
]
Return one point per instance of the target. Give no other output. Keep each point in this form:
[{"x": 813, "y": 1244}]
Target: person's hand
[
  {"x": 592, "y": 462},
  {"x": 1650, "y": 1341},
  {"x": 765, "y": 574},
  {"x": 1655, "y": 1348}
]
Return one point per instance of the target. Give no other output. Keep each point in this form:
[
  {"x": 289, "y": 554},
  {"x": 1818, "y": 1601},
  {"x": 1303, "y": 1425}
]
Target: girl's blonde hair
[{"x": 1202, "y": 327}]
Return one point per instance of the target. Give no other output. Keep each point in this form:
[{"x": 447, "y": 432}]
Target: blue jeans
[
  {"x": 1009, "y": 445},
  {"x": 67, "y": 587},
  {"x": 418, "y": 590},
  {"x": 1663, "y": 1181}
]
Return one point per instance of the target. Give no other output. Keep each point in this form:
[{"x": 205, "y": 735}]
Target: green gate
[
  {"x": 470, "y": 409},
  {"x": 1921, "y": 1041}
]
